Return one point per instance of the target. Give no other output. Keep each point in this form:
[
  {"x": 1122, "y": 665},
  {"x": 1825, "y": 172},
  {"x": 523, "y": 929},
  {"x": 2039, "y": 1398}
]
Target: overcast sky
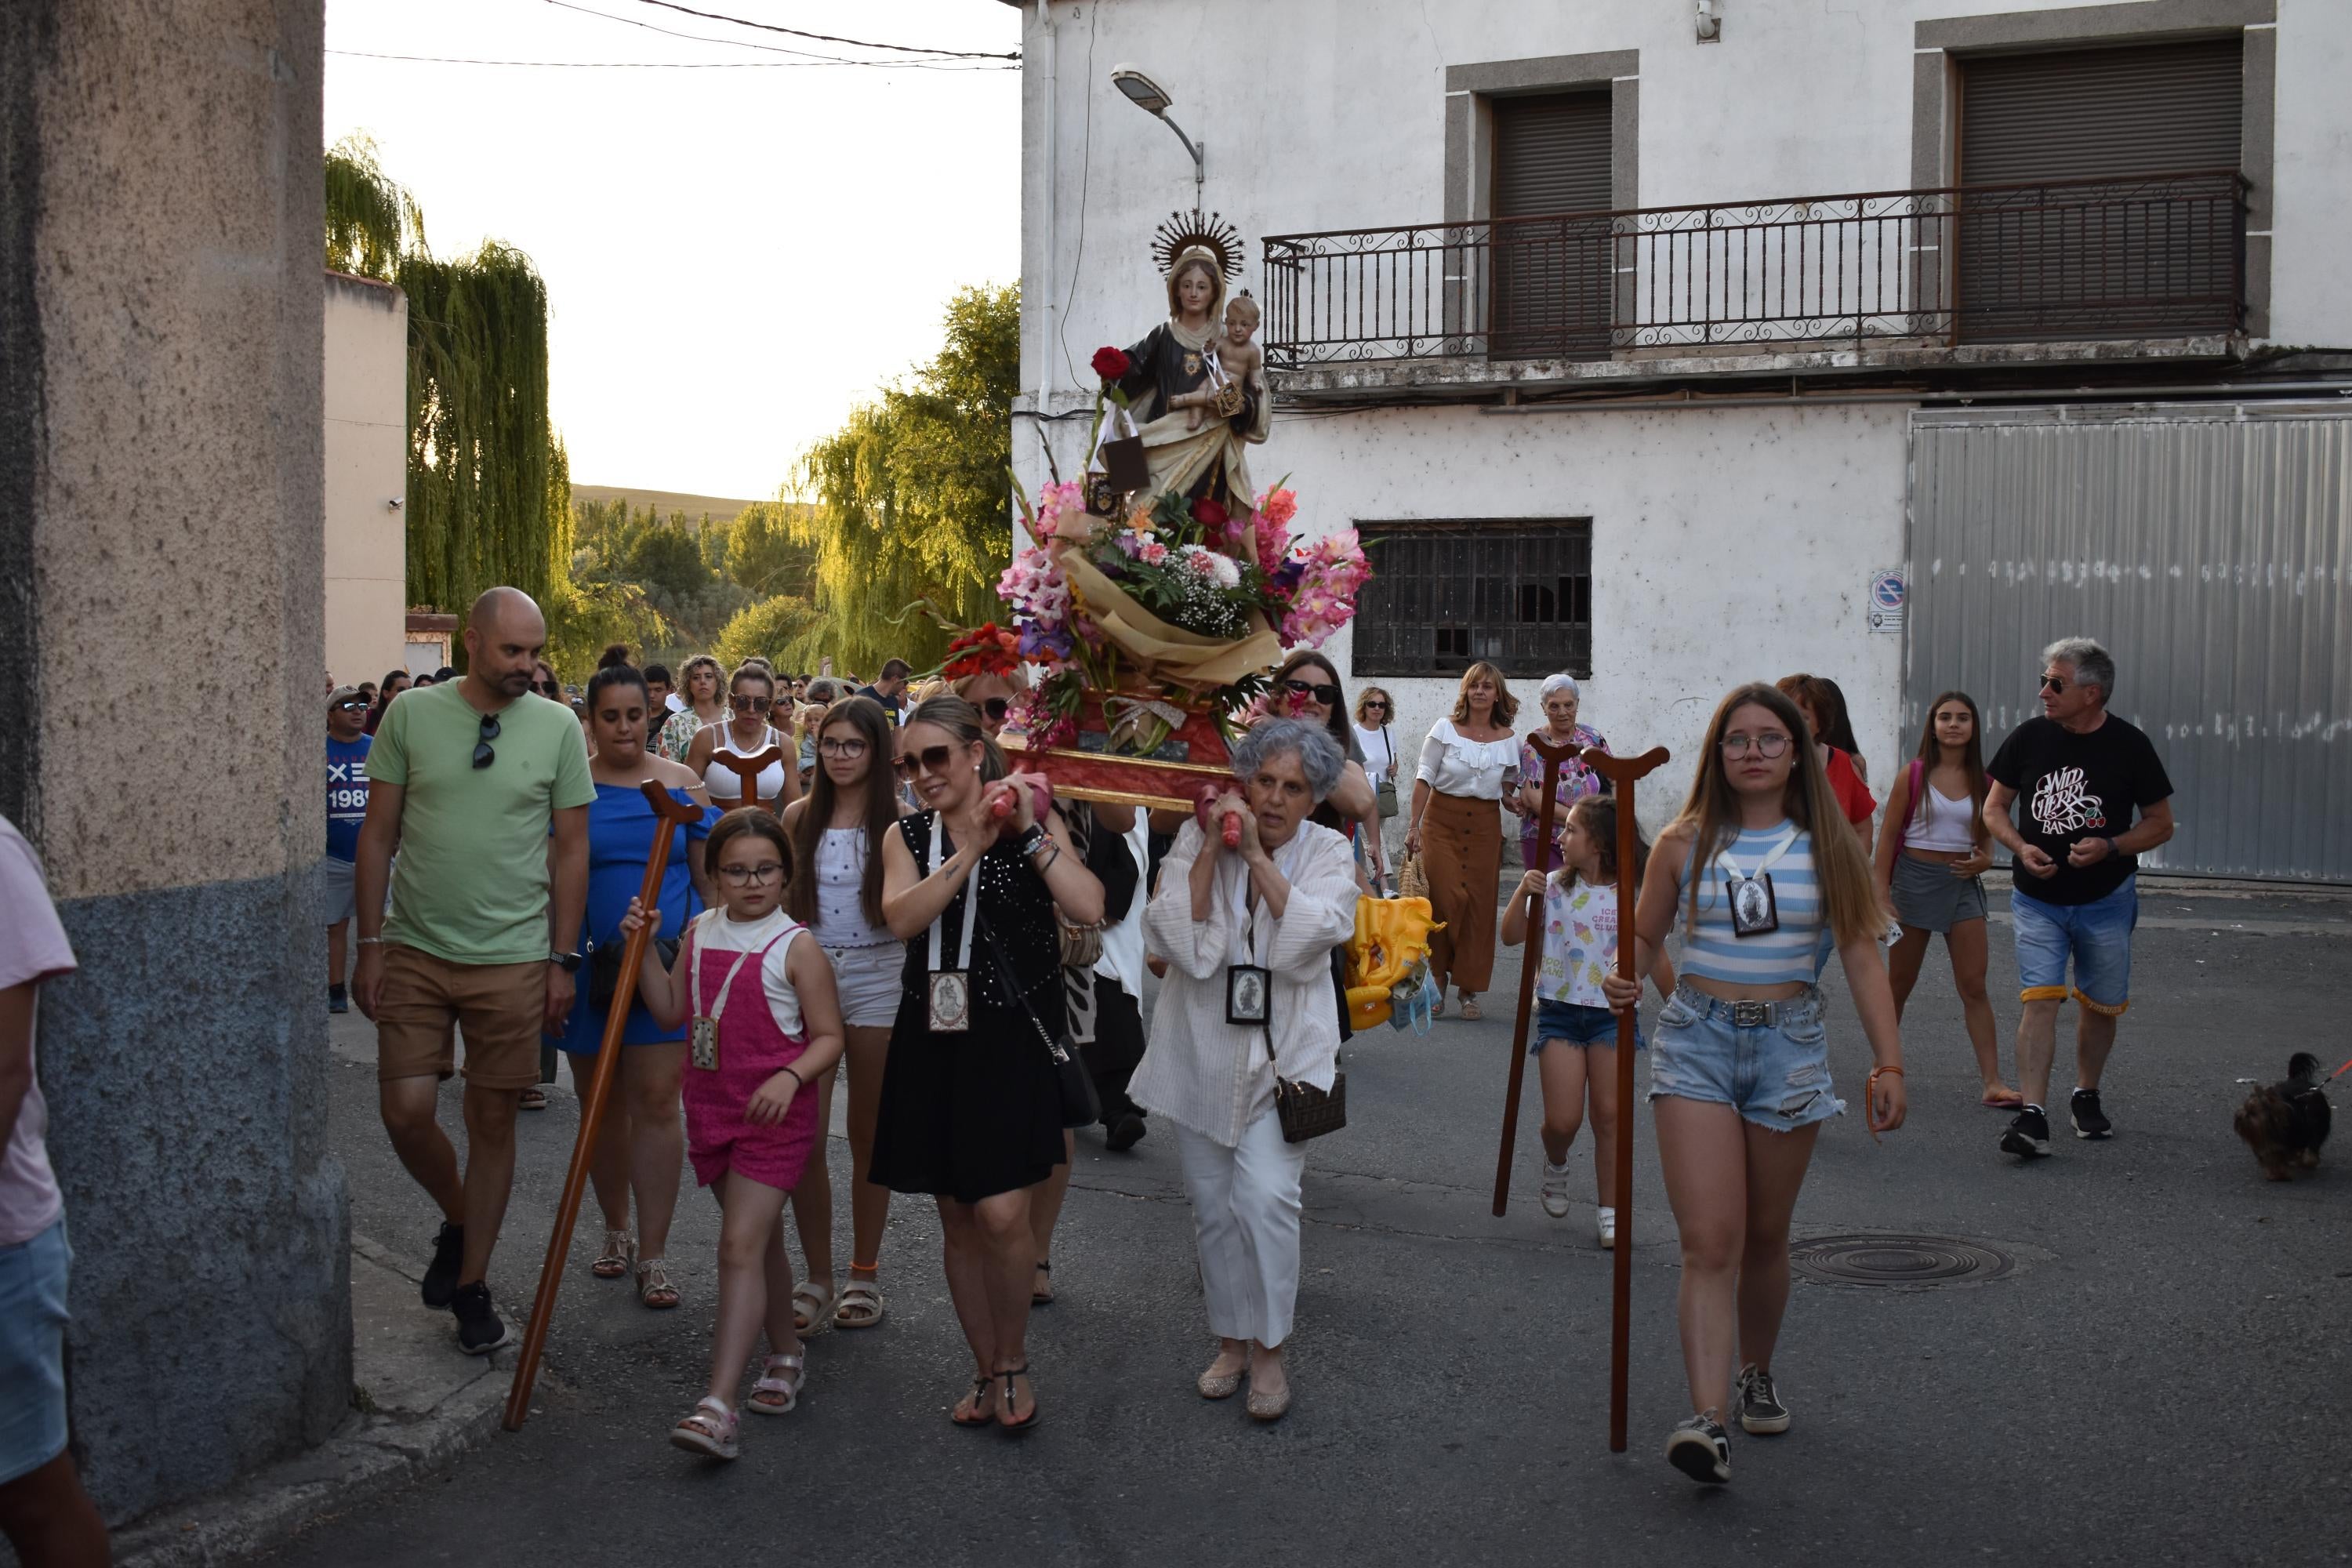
[{"x": 733, "y": 257}]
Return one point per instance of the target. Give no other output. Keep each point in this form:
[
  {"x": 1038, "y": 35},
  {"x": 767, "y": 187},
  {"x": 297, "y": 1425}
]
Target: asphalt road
[{"x": 2161, "y": 1377}]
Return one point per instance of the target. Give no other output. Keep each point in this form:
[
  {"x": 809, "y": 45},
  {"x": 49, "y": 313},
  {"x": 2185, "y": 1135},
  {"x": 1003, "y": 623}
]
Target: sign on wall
[{"x": 1883, "y": 608}]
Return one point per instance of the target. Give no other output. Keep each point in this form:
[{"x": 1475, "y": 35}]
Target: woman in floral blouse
[{"x": 1559, "y": 699}]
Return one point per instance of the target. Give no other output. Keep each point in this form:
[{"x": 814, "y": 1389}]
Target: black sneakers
[
  {"x": 2029, "y": 1134},
  {"x": 1761, "y": 1413},
  {"x": 480, "y": 1330},
  {"x": 2090, "y": 1121},
  {"x": 441, "y": 1274},
  {"x": 1699, "y": 1448}
]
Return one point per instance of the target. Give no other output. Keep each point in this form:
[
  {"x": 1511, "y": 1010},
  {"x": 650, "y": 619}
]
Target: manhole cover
[{"x": 1914, "y": 1262}]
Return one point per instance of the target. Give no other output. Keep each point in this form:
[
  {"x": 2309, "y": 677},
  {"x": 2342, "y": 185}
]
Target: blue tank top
[{"x": 1771, "y": 958}]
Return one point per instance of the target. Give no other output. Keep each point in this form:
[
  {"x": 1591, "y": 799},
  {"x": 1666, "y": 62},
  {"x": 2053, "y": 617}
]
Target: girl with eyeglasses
[
  {"x": 1470, "y": 761},
  {"x": 972, "y": 1106},
  {"x": 1760, "y": 867},
  {"x": 750, "y": 694},
  {"x": 704, "y": 707},
  {"x": 639, "y": 1147},
  {"x": 760, "y": 1042},
  {"x": 837, "y": 832}
]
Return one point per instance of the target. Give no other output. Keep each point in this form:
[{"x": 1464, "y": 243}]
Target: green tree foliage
[
  {"x": 666, "y": 559},
  {"x": 909, "y": 496},
  {"x": 766, "y": 628},
  {"x": 762, "y": 553},
  {"x": 371, "y": 220}
]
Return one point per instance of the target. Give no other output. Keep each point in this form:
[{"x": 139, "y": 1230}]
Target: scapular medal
[
  {"x": 702, "y": 1043},
  {"x": 1754, "y": 911},
  {"x": 947, "y": 992}
]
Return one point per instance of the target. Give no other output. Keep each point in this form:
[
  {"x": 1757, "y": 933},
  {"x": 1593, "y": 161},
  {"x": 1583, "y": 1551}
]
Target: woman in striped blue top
[{"x": 1759, "y": 863}]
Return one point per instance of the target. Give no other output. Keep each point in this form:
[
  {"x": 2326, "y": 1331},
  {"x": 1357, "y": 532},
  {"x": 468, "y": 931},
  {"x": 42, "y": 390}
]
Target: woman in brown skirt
[{"x": 1469, "y": 765}]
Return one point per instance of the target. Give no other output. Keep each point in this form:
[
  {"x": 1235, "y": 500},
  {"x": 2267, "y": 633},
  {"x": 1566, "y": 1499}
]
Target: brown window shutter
[
  {"x": 1551, "y": 272},
  {"x": 2131, "y": 254}
]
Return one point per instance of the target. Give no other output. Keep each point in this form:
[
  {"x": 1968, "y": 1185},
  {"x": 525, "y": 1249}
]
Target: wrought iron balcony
[{"x": 2155, "y": 255}]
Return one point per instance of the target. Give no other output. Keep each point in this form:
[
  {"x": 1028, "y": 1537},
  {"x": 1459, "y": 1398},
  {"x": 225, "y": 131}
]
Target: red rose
[
  {"x": 1208, "y": 513},
  {"x": 1111, "y": 364}
]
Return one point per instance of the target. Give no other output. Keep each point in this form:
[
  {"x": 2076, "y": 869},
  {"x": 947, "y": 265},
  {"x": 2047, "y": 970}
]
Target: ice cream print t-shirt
[
  {"x": 2071, "y": 787},
  {"x": 1579, "y": 943}
]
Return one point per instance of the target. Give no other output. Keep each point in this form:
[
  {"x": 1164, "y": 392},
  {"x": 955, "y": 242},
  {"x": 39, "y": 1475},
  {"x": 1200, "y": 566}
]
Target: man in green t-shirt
[{"x": 483, "y": 786}]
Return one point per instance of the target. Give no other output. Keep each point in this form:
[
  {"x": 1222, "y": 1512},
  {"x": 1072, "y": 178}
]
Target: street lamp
[{"x": 1153, "y": 99}]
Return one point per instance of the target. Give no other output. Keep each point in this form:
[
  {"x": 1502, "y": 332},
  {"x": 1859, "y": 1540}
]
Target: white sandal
[
  {"x": 707, "y": 1430},
  {"x": 813, "y": 1308},
  {"x": 769, "y": 1384},
  {"x": 862, "y": 1297},
  {"x": 614, "y": 1261},
  {"x": 652, "y": 1279}
]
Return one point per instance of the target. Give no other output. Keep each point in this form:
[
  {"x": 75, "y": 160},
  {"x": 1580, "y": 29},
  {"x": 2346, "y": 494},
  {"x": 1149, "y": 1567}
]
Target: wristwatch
[
  {"x": 1032, "y": 841},
  {"x": 570, "y": 962}
]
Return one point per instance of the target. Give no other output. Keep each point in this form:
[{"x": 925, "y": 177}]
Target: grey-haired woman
[{"x": 1251, "y": 927}]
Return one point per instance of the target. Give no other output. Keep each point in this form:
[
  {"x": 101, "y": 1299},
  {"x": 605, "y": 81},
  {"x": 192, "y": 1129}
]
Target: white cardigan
[{"x": 1201, "y": 1072}]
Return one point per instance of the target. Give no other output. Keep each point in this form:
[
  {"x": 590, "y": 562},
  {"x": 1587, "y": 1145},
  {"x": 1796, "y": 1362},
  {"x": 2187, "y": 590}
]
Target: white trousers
[{"x": 1245, "y": 1218}]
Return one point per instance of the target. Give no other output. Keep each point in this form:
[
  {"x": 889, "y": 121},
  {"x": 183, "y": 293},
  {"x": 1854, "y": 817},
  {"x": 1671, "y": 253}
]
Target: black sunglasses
[
  {"x": 743, "y": 702},
  {"x": 354, "y": 705},
  {"x": 548, "y": 688},
  {"x": 2053, "y": 683},
  {"x": 483, "y": 755},
  {"x": 996, "y": 706},
  {"x": 930, "y": 760},
  {"x": 1327, "y": 695},
  {"x": 1375, "y": 703}
]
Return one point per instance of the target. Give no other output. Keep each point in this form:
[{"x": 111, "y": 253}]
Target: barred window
[{"x": 1517, "y": 592}]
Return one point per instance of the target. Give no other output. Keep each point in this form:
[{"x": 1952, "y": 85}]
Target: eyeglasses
[
  {"x": 483, "y": 754},
  {"x": 2053, "y": 683},
  {"x": 758, "y": 876},
  {"x": 834, "y": 746},
  {"x": 743, "y": 704},
  {"x": 1771, "y": 744},
  {"x": 996, "y": 708},
  {"x": 1376, "y": 707},
  {"x": 930, "y": 760},
  {"x": 354, "y": 705},
  {"x": 1327, "y": 695},
  {"x": 548, "y": 688}
]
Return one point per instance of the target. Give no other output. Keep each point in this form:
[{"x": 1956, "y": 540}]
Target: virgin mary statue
[{"x": 1179, "y": 356}]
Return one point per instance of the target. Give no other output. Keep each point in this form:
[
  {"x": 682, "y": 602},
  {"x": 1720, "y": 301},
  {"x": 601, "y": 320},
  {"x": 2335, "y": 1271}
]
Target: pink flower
[
  {"x": 1279, "y": 505},
  {"x": 1153, "y": 552}
]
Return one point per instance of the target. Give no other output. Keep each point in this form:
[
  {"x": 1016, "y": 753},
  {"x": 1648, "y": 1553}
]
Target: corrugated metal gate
[{"x": 2209, "y": 547}]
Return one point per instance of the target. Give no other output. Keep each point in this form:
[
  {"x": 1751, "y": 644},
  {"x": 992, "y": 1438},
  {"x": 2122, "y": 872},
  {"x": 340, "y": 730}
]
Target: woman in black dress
[{"x": 973, "y": 1115}]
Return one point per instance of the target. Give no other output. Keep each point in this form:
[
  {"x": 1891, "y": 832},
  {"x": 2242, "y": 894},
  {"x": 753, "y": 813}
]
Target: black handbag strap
[{"x": 1053, "y": 1048}]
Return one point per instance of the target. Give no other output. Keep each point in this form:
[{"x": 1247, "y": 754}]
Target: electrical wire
[
  {"x": 806, "y": 55},
  {"x": 829, "y": 38},
  {"x": 663, "y": 65}
]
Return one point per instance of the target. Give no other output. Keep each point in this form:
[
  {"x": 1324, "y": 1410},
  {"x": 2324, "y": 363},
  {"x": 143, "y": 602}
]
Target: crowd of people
[{"x": 970, "y": 954}]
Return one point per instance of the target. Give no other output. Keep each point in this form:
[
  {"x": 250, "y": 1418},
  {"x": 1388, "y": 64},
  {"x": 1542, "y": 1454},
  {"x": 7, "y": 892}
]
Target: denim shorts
[
  {"x": 2096, "y": 936},
  {"x": 1775, "y": 1075},
  {"x": 1570, "y": 1023},
  {"x": 33, "y": 1353}
]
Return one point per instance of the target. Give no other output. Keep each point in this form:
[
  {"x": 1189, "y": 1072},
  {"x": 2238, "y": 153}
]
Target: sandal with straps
[
  {"x": 707, "y": 1430},
  {"x": 774, "y": 1395},
  {"x": 614, "y": 1261},
  {"x": 981, "y": 1389},
  {"x": 1037, "y": 1411},
  {"x": 654, "y": 1288},
  {"x": 860, "y": 1306},
  {"x": 812, "y": 1308},
  {"x": 1042, "y": 1295}
]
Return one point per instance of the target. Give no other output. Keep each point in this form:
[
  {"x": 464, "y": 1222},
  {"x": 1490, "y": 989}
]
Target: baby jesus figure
[{"x": 1240, "y": 359}]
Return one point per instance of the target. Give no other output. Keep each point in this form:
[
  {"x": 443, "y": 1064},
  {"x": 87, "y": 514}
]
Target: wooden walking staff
[
  {"x": 1530, "y": 960},
  {"x": 1621, "y": 773},
  {"x": 668, "y": 815},
  {"x": 749, "y": 770}
]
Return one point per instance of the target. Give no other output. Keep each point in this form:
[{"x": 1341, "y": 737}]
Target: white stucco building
[
  {"x": 366, "y": 398},
  {"x": 1575, "y": 308}
]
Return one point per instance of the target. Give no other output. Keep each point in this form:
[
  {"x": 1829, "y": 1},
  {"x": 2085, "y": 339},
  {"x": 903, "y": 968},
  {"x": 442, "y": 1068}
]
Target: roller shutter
[{"x": 1550, "y": 271}]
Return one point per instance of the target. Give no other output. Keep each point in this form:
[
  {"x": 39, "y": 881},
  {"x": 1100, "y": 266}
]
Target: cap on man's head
[{"x": 343, "y": 694}]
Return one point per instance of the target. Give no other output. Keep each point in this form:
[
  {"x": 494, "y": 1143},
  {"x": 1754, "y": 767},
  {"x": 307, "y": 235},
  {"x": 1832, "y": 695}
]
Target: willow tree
[
  {"x": 371, "y": 218},
  {"x": 909, "y": 496}
]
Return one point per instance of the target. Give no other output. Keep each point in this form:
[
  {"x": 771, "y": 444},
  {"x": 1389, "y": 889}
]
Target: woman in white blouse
[
  {"x": 1280, "y": 903},
  {"x": 1470, "y": 761}
]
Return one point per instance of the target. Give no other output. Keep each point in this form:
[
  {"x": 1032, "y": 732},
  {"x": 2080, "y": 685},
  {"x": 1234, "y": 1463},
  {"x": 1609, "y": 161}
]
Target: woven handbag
[{"x": 1413, "y": 882}]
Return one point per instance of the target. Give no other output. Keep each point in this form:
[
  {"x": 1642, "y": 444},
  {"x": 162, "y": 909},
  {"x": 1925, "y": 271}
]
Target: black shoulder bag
[
  {"x": 1081, "y": 1106},
  {"x": 1306, "y": 1112}
]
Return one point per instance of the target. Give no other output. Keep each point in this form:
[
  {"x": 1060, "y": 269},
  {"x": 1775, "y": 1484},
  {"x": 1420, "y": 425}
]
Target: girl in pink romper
[{"x": 763, "y": 1026}]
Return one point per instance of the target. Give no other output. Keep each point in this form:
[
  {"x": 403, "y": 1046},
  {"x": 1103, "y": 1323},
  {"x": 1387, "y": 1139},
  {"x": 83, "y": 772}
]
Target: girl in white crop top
[
  {"x": 751, "y": 697},
  {"x": 1931, "y": 853},
  {"x": 1740, "y": 1067}
]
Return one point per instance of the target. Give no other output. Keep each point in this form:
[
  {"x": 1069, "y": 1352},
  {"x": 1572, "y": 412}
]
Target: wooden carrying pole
[
  {"x": 1530, "y": 960},
  {"x": 748, "y": 769},
  {"x": 668, "y": 815},
  {"x": 1621, "y": 773}
]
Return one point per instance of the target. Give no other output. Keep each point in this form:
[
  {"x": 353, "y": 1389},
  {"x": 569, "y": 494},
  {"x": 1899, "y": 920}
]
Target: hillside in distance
[{"x": 721, "y": 508}]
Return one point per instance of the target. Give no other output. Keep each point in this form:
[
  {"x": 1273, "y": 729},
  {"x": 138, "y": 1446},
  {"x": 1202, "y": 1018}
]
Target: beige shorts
[{"x": 427, "y": 1000}]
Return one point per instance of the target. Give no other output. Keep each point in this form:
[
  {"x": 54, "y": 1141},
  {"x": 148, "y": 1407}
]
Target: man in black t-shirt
[
  {"x": 2078, "y": 772},
  {"x": 889, "y": 689}
]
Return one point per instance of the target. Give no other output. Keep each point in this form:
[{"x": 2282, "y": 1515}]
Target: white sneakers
[
  {"x": 1555, "y": 1191},
  {"x": 1605, "y": 1227}
]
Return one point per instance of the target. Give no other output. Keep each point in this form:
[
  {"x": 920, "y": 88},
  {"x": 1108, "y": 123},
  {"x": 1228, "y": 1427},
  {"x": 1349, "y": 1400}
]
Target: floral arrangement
[{"x": 988, "y": 649}]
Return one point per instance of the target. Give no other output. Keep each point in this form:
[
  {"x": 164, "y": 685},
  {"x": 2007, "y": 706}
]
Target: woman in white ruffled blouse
[
  {"x": 1470, "y": 761},
  {"x": 1279, "y": 903}
]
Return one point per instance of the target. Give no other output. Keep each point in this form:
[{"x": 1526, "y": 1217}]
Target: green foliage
[
  {"x": 370, "y": 219},
  {"x": 667, "y": 560},
  {"x": 909, "y": 496},
  {"x": 766, "y": 628},
  {"x": 762, "y": 553}
]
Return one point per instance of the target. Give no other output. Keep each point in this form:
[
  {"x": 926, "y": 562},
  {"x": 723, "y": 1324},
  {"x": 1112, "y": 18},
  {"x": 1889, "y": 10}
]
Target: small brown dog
[{"x": 2285, "y": 1124}]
